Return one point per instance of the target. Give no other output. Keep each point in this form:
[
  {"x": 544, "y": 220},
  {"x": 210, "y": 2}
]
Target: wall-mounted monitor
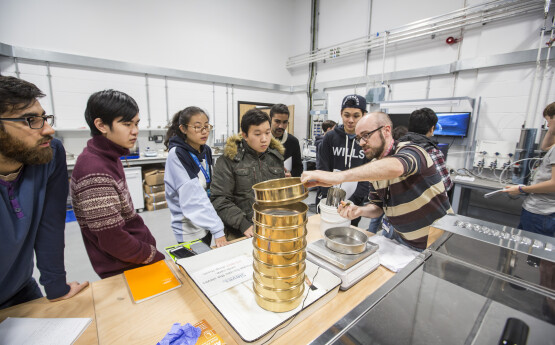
[{"x": 451, "y": 124}]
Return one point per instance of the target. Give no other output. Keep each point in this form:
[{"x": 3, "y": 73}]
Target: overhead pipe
[
  {"x": 535, "y": 89},
  {"x": 314, "y": 8},
  {"x": 495, "y": 10},
  {"x": 429, "y": 28},
  {"x": 214, "y": 109},
  {"x": 395, "y": 37},
  {"x": 383, "y": 55},
  {"x": 370, "y": 4},
  {"x": 167, "y": 100},
  {"x": 16, "y": 65},
  {"x": 538, "y": 120},
  {"x": 51, "y": 91},
  {"x": 148, "y": 101}
]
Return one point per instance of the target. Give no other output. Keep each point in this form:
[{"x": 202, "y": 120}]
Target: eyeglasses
[
  {"x": 367, "y": 136},
  {"x": 197, "y": 129},
  {"x": 34, "y": 122}
]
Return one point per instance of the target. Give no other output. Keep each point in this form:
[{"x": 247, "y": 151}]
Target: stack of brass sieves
[{"x": 279, "y": 243}]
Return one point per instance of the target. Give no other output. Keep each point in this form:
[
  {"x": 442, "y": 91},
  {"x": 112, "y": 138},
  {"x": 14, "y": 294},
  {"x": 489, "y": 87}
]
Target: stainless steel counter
[{"x": 461, "y": 291}]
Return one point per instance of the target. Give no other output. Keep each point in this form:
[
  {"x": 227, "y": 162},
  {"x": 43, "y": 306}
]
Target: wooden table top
[{"x": 117, "y": 320}]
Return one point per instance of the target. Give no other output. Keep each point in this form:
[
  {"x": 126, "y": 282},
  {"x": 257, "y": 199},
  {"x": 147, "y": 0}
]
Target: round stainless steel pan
[{"x": 345, "y": 240}]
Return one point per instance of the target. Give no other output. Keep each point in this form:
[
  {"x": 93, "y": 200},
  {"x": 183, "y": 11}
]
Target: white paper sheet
[
  {"x": 393, "y": 256},
  {"x": 224, "y": 275},
  {"x": 288, "y": 163},
  {"x": 42, "y": 331}
]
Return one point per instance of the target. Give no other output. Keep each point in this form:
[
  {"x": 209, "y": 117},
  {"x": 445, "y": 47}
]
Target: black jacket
[
  {"x": 338, "y": 151},
  {"x": 420, "y": 140},
  {"x": 293, "y": 150}
]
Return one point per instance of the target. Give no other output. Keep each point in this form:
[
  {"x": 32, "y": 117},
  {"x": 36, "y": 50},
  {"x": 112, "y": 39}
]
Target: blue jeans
[
  {"x": 537, "y": 223},
  {"x": 29, "y": 292},
  {"x": 393, "y": 235},
  {"x": 375, "y": 224}
]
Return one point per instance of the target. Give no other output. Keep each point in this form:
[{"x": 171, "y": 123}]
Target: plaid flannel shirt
[{"x": 439, "y": 160}]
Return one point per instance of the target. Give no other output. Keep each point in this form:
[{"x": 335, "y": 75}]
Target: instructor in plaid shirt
[{"x": 422, "y": 123}]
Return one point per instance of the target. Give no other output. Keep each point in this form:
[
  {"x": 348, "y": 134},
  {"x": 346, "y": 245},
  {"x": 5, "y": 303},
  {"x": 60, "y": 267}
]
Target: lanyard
[{"x": 206, "y": 173}]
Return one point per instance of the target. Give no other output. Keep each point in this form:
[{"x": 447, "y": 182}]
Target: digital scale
[{"x": 350, "y": 268}]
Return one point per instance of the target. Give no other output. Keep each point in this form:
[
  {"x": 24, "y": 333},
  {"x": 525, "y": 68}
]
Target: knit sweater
[
  {"x": 115, "y": 237},
  {"x": 32, "y": 221}
]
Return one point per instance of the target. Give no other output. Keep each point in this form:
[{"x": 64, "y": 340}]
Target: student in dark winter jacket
[
  {"x": 279, "y": 115},
  {"x": 339, "y": 151},
  {"x": 116, "y": 238},
  {"x": 252, "y": 157},
  {"x": 33, "y": 195},
  {"x": 187, "y": 178}
]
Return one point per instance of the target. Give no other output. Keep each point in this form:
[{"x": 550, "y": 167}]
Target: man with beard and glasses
[
  {"x": 404, "y": 183},
  {"x": 33, "y": 194}
]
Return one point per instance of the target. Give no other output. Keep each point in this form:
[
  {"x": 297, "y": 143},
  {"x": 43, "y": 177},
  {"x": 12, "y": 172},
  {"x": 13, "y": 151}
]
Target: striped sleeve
[{"x": 411, "y": 159}]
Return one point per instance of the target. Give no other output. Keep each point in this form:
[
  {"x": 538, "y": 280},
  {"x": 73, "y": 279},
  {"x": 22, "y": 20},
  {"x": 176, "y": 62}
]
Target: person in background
[
  {"x": 253, "y": 156},
  {"x": 116, "y": 238},
  {"x": 538, "y": 209},
  {"x": 405, "y": 184},
  {"x": 279, "y": 115},
  {"x": 399, "y": 131},
  {"x": 422, "y": 123},
  {"x": 327, "y": 126},
  {"x": 187, "y": 177},
  {"x": 33, "y": 195},
  {"x": 339, "y": 151}
]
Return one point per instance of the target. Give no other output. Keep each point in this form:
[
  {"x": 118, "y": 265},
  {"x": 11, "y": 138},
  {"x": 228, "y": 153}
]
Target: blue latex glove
[{"x": 181, "y": 335}]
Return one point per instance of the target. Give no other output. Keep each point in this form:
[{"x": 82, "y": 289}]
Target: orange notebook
[{"x": 150, "y": 281}]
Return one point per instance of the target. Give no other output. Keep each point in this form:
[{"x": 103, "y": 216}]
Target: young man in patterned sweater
[
  {"x": 115, "y": 237},
  {"x": 405, "y": 184}
]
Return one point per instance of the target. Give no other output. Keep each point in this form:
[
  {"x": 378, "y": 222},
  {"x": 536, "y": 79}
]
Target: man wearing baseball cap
[{"x": 339, "y": 151}]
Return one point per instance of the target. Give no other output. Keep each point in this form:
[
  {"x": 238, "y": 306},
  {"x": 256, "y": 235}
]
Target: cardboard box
[
  {"x": 155, "y": 197},
  {"x": 154, "y": 189},
  {"x": 156, "y": 206},
  {"x": 208, "y": 335},
  {"x": 154, "y": 177}
]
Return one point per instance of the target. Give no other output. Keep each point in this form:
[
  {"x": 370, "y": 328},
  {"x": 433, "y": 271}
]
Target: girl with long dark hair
[{"x": 187, "y": 178}]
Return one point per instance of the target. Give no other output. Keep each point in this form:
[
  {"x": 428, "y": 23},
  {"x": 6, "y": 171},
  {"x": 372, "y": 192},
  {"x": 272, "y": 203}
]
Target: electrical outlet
[
  {"x": 158, "y": 138},
  {"x": 150, "y": 138}
]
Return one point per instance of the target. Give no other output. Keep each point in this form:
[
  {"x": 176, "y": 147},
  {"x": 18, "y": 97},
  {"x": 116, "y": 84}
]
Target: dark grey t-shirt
[{"x": 542, "y": 203}]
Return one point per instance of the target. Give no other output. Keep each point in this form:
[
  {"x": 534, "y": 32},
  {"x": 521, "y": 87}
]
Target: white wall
[
  {"x": 505, "y": 91},
  {"x": 242, "y": 38},
  {"x": 252, "y": 39}
]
